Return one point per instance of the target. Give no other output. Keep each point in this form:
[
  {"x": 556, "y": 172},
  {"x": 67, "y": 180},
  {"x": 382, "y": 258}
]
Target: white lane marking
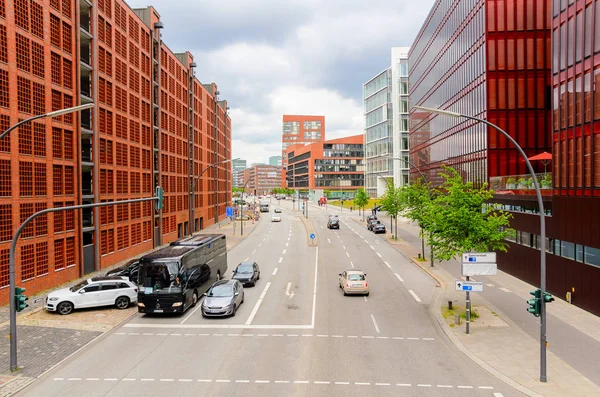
[
  {"x": 205, "y": 380},
  {"x": 398, "y": 277},
  {"x": 246, "y": 260},
  {"x": 129, "y": 379},
  {"x": 414, "y": 295},
  {"x": 314, "y": 308},
  {"x": 379, "y": 255},
  {"x": 490, "y": 285},
  {"x": 321, "y": 226},
  {"x": 423, "y": 385},
  {"x": 259, "y": 244},
  {"x": 347, "y": 254},
  {"x": 283, "y": 253},
  {"x": 254, "y": 251},
  {"x": 242, "y": 381},
  {"x": 323, "y": 336},
  {"x": 352, "y": 264},
  {"x": 262, "y": 381},
  {"x": 147, "y": 379},
  {"x": 329, "y": 241},
  {"x": 320, "y": 382},
  {"x": 377, "y": 241},
  {"x": 412, "y": 338},
  {"x": 289, "y": 294},
  {"x": 428, "y": 339},
  {"x": 375, "y": 323},
  {"x": 352, "y": 336},
  {"x": 368, "y": 337},
  {"x": 465, "y": 387},
  {"x": 343, "y": 246},
  {"x": 277, "y": 334},
  {"x": 383, "y": 337},
  {"x": 282, "y": 381},
  {"x": 286, "y": 244},
  {"x": 275, "y": 271},
  {"x": 223, "y": 380},
  {"x": 292, "y": 334},
  {"x": 498, "y": 395},
  {"x": 504, "y": 289},
  {"x": 262, "y": 335},
  {"x": 166, "y": 380},
  {"x": 382, "y": 384},
  {"x": 289, "y": 239},
  {"x": 486, "y": 387},
  {"x": 387, "y": 264},
  {"x": 303, "y": 382},
  {"x": 446, "y": 386},
  {"x": 337, "y": 336},
  {"x": 365, "y": 298},
  {"x": 258, "y": 303},
  {"x": 342, "y": 383},
  {"x": 362, "y": 383},
  {"x": 74, "y": 379},
  {"x": 404, "y": 384},
  {"x": 307, "y": 335},
  {"x": 92, "y": 378},
  {"x": 371, "y": 246},
  {"x": 280, "y": 259}
]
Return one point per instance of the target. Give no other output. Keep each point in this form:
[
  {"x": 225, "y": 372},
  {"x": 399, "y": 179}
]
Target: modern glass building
[
  {"x": 377, "y": 99},
  {"x": 400, "y": 118},
  {"x": 238, "y": 167},
  {"x": 275, "y": 160}
]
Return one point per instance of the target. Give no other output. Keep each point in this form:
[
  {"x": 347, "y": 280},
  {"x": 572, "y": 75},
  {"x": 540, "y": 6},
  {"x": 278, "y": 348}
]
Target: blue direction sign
[
  {"x": 312, "y": 236},
  {"x": 473, "y": 286},
  {"x": 229, "y": 212}
]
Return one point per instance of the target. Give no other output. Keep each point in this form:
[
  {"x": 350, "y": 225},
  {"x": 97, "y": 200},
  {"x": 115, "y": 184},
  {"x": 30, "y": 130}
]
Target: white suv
[{"x": 93, "y": 292}]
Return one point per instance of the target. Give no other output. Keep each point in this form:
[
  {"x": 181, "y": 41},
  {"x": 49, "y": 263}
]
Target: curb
[{"x": 310, "y": 230}]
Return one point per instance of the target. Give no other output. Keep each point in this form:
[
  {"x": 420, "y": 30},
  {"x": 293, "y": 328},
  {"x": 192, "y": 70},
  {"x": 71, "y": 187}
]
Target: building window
[
  {"x": 592, "y": 256},
  {"x": 567, "y": 250}
]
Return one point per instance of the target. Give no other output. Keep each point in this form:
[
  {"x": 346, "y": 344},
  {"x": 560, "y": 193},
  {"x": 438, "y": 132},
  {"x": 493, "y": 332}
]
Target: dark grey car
[
  {"x": 247, "y": 273},
  {"x": 223, "y": 298}
]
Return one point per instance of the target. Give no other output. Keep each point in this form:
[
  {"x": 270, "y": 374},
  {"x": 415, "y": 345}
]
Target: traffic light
[
  {"x": 535, "y": 304},
  {"x": 159, "y": 194},
  {"x": 20, "y": 299},
  {"x": 548, "y": 298}
]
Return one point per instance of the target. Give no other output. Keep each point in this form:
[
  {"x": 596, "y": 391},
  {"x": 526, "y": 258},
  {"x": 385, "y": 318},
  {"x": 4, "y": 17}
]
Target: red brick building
[
  {"x": 154, "y": 123},
  {"x": 299, "y": 130}
]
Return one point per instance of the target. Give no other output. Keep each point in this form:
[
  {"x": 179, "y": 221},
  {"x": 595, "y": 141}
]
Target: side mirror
[
  {"x": 203, "y": 294},
  {"x": 82, "y": 291},
  {"x": 237, "y": 293},
  {"x": 340, "y": 274},
  {"x": 365, "y": 274}
]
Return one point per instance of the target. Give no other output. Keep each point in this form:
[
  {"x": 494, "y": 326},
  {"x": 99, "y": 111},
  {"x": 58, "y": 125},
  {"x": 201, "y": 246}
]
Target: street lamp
[
  {"x": 341, "y": 201},
  {"x": 538, "y": 193},
  {"x": 193, "y": 192},
  {"x": 242, "y": 209},
  {"x": 55, "y": 113}
]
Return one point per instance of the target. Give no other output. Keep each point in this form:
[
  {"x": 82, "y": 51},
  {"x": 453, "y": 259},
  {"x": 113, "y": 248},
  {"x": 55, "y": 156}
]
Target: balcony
[
  {"x": 86, "y": 120},
  {"x": 87, "y": 217},
  {"x": 521, "y": 184},
  {"x": 86, "y": 151}
]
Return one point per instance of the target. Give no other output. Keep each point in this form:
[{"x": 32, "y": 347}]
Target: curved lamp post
[
  {"x": 193, "y": 192},
  {"x": 538, "y": 193}
]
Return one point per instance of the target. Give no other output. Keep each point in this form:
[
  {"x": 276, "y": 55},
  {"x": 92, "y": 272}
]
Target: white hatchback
[{"x": 93, "y": 292}]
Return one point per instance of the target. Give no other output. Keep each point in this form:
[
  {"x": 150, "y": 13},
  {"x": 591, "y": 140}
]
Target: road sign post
[{"x": 477, "y": 264}]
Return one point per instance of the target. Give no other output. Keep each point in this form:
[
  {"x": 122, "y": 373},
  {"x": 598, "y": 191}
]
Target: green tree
[
  {"x": 360, "y": 200},
  {"x": 460, "y": 221},
  {"x": 392, "y": 203},
  {"x": 415, "y": 203}
]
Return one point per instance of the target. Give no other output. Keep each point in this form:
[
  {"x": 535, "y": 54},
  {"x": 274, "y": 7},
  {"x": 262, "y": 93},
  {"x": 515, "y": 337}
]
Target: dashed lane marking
[
  {"x": 414, "y": 295},
  {"x": 490, "y": 285},
  {"x": 387, "y": 264},
  {"x": 378, "y": 254},
  {"x": 398, "y": 277},
  {"x": 347, "y": 254},
  {"x": 504, "y": 289},
  {"x": 280, "y": 259},
  {"x": 275, "y": 271}
]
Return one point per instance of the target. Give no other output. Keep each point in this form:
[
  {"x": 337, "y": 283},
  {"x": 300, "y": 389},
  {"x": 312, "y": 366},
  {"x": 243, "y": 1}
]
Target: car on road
[
  {"x": 378, "y": 228},
  {"x": 93, "y": 292},
  {"x": 222, "y": 299},
  {"x": 333, "y": 223},
  {"x": 371, "y": 218},
  {"x": 276, "y": 218},
  {"x": 354, "y": 281},
  {"x": 277, "y": 210},
  {"x": 371, "y": 223},
  {"x": 130, "y": 270},
  {"x": 247, "y": 273}
]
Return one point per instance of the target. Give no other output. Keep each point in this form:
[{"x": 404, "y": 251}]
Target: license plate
[
  {"x": 158, "y": 310},
  {"x": 357, "y": 285},
  {"x": 213, "y": 311}
]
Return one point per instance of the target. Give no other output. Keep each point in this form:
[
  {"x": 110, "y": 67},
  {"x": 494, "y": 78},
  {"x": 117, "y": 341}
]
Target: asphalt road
[{"x": 296, "y": 334}]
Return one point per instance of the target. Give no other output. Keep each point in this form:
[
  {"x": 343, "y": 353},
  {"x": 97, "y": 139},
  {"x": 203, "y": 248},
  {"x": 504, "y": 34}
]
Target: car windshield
[
  {"x": 78, "y": 286},
  {"x": 220, "y": 291},
  {"x": 244, "y": 269},
  {"x": 160, "y": 277},
  {"x": 356, "y": 277}
]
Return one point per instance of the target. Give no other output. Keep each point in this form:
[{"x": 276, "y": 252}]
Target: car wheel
[
  {"x": 258, "y": 278},
  {"x": 194, "y": 299},
  {"x": 122, "y": 302},
  {"x": 367, "y": 294},
  {"x": 234, "y": 310},
  {"x": 65, "y": 308},
  {"x": 243, "y": 296},
  {"x": 345, "y": 294}
]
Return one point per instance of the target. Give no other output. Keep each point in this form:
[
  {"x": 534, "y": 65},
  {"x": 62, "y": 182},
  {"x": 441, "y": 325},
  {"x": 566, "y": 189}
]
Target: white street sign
[
  {"x": 470, "y": 286},
  {"x": 479, "y": 269},
  {"x": 479, "y": 257}
]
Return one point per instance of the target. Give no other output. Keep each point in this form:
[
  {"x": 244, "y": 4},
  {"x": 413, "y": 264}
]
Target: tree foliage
[
  {"x": 458, "y": 221},
  {"x": 361, "y": 199}
]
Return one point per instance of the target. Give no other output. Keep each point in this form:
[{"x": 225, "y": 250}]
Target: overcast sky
[{"x": 275, "y": 57}]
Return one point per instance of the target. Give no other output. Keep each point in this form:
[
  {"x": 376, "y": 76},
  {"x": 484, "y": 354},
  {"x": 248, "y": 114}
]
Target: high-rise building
[
  {"x": 275, "y": 160},
  {"x": 238, "y": 167},
  {"x": 400, "y": 118},
  {"x": 335, "y": 167},
  {"x": 299, "y": 130},
  {"x": 262, "y": 178},
  {"x": 378, "y": 112},
  {"x": 154, "y": 124}
]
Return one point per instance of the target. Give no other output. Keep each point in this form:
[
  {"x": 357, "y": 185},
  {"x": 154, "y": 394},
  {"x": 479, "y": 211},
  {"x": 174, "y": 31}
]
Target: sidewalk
[
  {"x": 497, "y": 343},
  {"x": 46, "y": 339}
]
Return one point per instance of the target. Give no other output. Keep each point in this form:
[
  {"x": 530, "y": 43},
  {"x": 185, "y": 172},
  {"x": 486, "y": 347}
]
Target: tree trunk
[
  {"x": 396, "y": 227},
  {"x": 422, "y": 244}
]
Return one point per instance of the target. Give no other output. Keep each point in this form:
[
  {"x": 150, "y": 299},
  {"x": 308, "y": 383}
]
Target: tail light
[
  {"x": 366, "y": 284},
  {"x": 347, "y": 285},
  {"x": 135, "y": 290}
]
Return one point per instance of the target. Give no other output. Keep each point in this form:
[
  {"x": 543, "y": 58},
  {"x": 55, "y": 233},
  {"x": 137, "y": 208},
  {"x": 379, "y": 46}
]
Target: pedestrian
[{"x": 350, "y": 208}]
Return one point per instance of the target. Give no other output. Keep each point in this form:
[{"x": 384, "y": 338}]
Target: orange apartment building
[
  {"x": 335, "y": 166},
  {"x": 299, "y": 130},
  {"x": 154, "y": 123}
]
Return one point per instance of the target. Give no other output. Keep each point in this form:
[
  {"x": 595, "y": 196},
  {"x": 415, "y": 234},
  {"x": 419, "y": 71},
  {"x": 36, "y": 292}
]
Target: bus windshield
[{"x": 160, "y": 277}]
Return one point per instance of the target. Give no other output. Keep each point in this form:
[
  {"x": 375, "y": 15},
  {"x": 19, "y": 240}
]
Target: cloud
[{"x": 273, "y": 57}]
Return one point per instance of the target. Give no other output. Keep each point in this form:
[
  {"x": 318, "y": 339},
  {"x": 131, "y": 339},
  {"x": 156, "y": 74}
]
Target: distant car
[
  {"x": 247, "y": 273},
  {"x": 371, "y": 218},
  {"x": 378, "y": 228},
  {"x": 129, "y": 270},
  {"x": 354, "y": 281},
  {"x": 223, "y": 298},
  {"x": 371, "y": 223},
  {"x": 277, "y": 210},
  {"x": 333, "y": 223},
  {"x": 275, "y": 218},
  {"x": 93, "y": 292},
  {"x": 332, "y": 216}
]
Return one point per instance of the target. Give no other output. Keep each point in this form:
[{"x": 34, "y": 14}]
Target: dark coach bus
[{"x": 172, "y": 279}]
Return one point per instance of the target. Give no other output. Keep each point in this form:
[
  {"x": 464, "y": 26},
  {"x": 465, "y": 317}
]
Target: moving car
[
  {"x": 378, "y": 228},
  {"x": 247, "y": 273},
  {"x": 354, "y": 281},
  {"x": 371, "y": 218},
  {"x": 277, "y": 210},
  {"x": 333, "y": 223},
  {"x": 223, "y": 298},
  {"x": 93, "y": 292},
  {"x": 371, "y": 223},
  {"x": 130, "y": 270},
  {"x": 276, "y": 218}
]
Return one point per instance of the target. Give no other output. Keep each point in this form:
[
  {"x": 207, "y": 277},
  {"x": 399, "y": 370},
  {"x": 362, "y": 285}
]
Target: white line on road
[
  {"x": 342, "y": 383},
  {"x": 403, "y": 384},
  {"x": 246, "y": 260},
  {"x": 377, "y": 241},
  {"x": 387, "y": 264},
  {"x": 423, "y": 385},
  {"x": 446, "y": 386},
  {"x": 283, "y": 253},
  {"x": 205, "y": 380},
  {"x": 258, "y": 303},
  {"x": 92, "y": 378},
  {"x": 375, "y": 323},
  {"x": 289, "y": 239},
  {"x": 261, "y": 381},
  {"x": 379, "y": 255},
  {"x": 362, "y": 383},
  {"x": 320, "y": 382},
  {"x": 366, "y": 300},
  {"x": 352, "y": 264},
  {"x": 414, "y": 295},
  {"x": 498, "y": 395},
  {"x": 347, "y": 254},
  {"x": 314, "y": 308},
  {"x": 280, "y": 259},
  {"x": 259, "y": 245},
  {"x": 465, "y": 387},
  {"x": 371, "y": 246},
  {"x": 165, "y": 380},
  {"x": 329, "y": 241},
  {"x": 303, "y": 382},
  {"x": 490, "y": 285},
  {"x": 275, "y": 271},
  {"x": 223, "y": 380},
  {"x": 282, "y": 381},
  {"x": 382, "y": 384},
  {"x": 286, "y": 244},
  {"x": 504, "y": 289},
  {"x": 343, "y": 246},
  {"x": 486, "y": 387},
  {"x": 398, "y": 277},
  {"x": 242, "y": 381}
]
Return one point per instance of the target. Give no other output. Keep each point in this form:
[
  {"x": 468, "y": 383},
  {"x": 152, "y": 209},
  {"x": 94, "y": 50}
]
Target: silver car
[{"x": 223, "y": 298}]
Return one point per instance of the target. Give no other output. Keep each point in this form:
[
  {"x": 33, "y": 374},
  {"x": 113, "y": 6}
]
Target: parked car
[
  {"x": 223, "y": 298},
  {"x": 371, "y": 223},
  {"x": 277, "y": 210},
  {"x": 354, "y": 281},
  {"x": 276, "y": 218},
  {"x": 247, "y": 273},
  {"x": 93, "y": 292},
  {"x": 129, "y": 270},
  {"x": 371, "y": 218},
  {"x": 333, "y": 223},
  {"x": 378, "y": 228}
]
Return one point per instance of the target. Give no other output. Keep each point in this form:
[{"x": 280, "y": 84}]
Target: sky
[{"x": 275, "y": 57}]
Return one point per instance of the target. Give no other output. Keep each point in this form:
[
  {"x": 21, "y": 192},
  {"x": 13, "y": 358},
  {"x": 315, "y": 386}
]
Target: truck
[{"x": 264, "y": 207}]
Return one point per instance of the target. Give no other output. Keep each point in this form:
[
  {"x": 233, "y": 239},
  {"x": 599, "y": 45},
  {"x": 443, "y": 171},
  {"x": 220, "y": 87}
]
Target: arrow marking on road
[{"x": 289, "y": 294}]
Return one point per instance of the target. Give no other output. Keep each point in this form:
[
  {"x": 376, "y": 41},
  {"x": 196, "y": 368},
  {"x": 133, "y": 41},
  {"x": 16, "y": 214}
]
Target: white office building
[{"x": 400, "y": 106}]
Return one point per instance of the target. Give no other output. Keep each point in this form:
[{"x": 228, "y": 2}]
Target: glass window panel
[
  {"x": 587, "y": 44},
  {"x": 592, "y": 256},
  {"x": 579, "y": 253},
  {"x": 567, "y": 250}
]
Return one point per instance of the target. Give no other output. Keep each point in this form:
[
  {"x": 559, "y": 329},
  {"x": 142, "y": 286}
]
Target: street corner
[{"x": 98, "y": 320}]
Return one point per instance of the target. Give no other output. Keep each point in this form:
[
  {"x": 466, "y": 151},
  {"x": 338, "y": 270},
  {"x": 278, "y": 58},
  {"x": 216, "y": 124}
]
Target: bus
[
  {"x": 172, "y": 279},
  {"x": 264, "y": 207}
]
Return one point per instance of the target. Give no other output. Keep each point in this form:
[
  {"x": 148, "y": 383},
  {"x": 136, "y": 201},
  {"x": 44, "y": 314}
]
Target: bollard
[
  {"x": 419, "y": 256},
  {"x": 457, "y": 319},
  {"x": 449, "y": 305}
]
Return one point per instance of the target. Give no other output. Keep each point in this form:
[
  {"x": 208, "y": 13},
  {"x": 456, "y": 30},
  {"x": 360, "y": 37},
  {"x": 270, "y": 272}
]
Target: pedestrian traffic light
[
  {"x": 159, "y": 194},
  {"x": 20, "y": 299},
  {"x": 535, "y": 304},
  {"x": 548, "y": 298}
]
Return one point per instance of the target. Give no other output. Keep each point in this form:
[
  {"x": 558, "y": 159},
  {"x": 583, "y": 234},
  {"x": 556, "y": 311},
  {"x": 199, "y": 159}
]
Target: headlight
[
  {"x": 140, "y": 304},
  {"x": 177, "y": 304},
  {"x": 54, "y": 298}
]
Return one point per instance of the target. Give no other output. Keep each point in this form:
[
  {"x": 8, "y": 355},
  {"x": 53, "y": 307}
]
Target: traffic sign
[
  {"x": 471, "y": 286},
  {"x": 479, "y": 257},
  {"x": 479, "y": 264},
  {"x": 312, "y": 236},
  {"x": 229, "y": 212}
]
